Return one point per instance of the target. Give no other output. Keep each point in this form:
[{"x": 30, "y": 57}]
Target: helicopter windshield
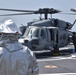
[{"x": 33, "y": 32}]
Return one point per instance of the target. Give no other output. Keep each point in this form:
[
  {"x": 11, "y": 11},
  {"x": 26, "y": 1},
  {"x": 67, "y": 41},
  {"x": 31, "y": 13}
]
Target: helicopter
[{"x": 45, "y": 33}]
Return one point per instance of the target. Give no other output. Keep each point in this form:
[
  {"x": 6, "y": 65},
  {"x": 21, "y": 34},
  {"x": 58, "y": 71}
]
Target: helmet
[{"x": 9, "y": 27}]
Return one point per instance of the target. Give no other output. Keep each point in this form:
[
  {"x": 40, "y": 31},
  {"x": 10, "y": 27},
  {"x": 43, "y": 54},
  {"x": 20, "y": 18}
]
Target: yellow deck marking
[{"x": 50, "y": 66}]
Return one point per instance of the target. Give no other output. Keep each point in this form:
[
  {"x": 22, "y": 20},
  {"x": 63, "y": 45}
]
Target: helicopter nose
[
  {"x": 27, "y": 43},
  {"x": 21, "y": 40}
]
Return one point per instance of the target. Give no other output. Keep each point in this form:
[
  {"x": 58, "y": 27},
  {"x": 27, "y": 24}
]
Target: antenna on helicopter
[
  {"x": 74, "y": 10},
  {"x": 74, "y": 22},
  {"x": 22, "y": 24}
]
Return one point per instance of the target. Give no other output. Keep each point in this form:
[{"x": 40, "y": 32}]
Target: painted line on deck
[
  {"x": 50, "y": 66},
  {"x": 59, "y": 74},
  {"x": 56, "y": 58}
]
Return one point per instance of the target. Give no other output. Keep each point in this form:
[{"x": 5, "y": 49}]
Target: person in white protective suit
[{"x": 15, "y": 59}]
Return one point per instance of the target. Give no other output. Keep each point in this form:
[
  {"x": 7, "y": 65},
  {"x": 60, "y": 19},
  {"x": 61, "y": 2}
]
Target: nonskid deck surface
[{"x": 64, "y": 64}]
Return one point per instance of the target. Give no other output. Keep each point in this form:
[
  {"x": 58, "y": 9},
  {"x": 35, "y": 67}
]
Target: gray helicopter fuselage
[{"x": 44, "y": 34}]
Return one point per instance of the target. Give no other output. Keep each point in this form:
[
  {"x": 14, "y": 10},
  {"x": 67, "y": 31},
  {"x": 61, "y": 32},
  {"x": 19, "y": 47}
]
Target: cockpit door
[{"x": 53, "y": 36}]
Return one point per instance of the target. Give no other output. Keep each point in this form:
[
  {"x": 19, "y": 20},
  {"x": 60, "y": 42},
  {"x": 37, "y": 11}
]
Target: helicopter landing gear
[{"x": 55, "y": 52}]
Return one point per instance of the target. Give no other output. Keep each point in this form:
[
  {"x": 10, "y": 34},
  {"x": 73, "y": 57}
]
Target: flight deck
[{"x": 63, "y": 64}]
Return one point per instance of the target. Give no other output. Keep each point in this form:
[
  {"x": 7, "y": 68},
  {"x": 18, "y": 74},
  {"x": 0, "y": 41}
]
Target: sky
[{"x": 63, "y": 5}]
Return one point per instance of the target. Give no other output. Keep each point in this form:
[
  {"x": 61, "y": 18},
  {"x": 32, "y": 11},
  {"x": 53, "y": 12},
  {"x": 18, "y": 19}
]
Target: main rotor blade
[
  {"x": 16, "y": 10},
  {"x": 40, "y": 11},
  {"x": 67, "y": 13},
  {"x": 16, "y": 14},
  {"x": 73, "y": 9}
]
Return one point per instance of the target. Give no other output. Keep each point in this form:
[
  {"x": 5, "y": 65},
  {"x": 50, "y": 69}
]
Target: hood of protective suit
[
  {"x": 8, "y": 35},
  {"x": 13, "y": 47},
  {"x": 9, "y": 27}
]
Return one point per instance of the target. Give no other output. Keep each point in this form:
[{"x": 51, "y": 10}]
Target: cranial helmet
[{"x": 9, "y": 27}]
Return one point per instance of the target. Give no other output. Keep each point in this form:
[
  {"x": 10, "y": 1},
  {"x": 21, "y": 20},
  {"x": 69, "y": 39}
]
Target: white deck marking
[
  {"x": 59, "y": 74},
  {"x": 56, "y": 58}
]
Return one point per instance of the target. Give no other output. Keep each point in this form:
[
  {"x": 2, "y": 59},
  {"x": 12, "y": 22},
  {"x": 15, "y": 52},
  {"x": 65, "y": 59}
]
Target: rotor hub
[{"x": 46, "y": 11}]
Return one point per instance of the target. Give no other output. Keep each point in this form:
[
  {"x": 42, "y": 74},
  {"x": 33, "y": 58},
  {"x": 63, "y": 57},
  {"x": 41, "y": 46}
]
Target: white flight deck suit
[{"x": 16, "y": 59}]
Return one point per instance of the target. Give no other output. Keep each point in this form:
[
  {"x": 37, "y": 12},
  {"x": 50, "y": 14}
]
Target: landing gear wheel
[{"x": 56, "y": 52}]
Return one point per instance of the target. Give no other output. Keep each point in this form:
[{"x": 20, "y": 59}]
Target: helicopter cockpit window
[
  {"x": 26, "y": 32},
  {"x": 43, "y": 34},
  {"x": 33, "y": 32}
]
